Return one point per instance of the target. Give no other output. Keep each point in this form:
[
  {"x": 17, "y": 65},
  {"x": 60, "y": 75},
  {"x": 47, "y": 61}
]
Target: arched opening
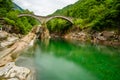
[
  {"x": 60, "y": 17},
  {"x": 59, "y": 25}
]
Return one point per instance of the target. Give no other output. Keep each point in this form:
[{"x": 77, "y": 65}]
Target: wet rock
[
  {"x": 23, "y": 61},
  {"x": 13, "y": 72}
]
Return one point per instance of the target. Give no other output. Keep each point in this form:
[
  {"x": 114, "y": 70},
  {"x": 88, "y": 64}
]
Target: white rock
[{"x": 11, "y": 72}]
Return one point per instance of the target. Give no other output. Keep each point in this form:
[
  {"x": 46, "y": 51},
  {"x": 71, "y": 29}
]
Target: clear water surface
[{"x": 64, "y": 60}]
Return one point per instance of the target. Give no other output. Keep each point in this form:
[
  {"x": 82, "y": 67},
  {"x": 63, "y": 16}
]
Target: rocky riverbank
[
  {"x": 106, "y": 37},
  {"x": 9, "y": 55},
  {"x": 7, "y": 39},
  {"x": 12, "y": 72}
]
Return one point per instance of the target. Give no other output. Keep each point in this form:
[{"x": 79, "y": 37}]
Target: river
[{"x": 71, "y": 60}]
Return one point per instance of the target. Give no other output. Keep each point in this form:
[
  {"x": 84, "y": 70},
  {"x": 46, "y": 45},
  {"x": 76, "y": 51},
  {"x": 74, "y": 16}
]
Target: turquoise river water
[{"x": 66, "y": 60}]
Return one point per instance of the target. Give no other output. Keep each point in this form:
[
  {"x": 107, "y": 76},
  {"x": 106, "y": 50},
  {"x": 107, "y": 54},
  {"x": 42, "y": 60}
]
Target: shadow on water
[{"x": 63, "y": 60}]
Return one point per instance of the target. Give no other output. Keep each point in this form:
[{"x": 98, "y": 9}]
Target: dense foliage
[
  {"x": 5, "y": 6},
  {"x": 9, "y": 11},
  {"x": 95, "y": 14},
  {"x": 58, "y": 25}
]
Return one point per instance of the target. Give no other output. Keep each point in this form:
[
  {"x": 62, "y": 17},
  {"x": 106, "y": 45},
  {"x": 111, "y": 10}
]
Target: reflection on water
[{"x": 61, "y": 60}]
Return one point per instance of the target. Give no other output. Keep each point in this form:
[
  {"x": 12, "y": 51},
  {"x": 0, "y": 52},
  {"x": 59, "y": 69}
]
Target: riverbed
[{"x": 71, "y": 60}]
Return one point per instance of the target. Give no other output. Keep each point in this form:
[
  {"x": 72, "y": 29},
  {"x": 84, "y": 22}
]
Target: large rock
[
  {"x": 3, "y": 35},
  {"x": 44, "y": 33},
  {"x": 9, "y": 41},
  {"x": 108, "y": 34},
  {"x": 17, "y": 47},
  {"x": 13, "y": 72}
]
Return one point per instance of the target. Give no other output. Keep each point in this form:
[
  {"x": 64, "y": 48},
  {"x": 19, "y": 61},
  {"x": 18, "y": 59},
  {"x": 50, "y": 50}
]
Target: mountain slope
[
  {"x": 10, "y": 11},
  {"x": 96, "y": 14}
]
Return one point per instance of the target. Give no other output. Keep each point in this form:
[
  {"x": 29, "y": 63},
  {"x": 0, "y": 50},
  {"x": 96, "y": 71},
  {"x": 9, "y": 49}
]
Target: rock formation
[
  {"x": 13, "y": 72},
  {"x": 11, "y": 53},
  {"x": 43, "y": 33},
  {"x": 3, "y": 35}
]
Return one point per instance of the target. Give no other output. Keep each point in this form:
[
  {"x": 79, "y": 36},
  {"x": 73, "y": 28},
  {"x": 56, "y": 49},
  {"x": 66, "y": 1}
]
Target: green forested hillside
[
  {"x": 5, "y": 6},
  {"x": 95, "y": 14},
  {"x": 9, "y": 11}
]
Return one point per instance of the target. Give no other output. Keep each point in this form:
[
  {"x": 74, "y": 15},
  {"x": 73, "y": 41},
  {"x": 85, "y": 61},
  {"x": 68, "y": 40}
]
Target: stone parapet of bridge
[{"x": 45, "y": 19}]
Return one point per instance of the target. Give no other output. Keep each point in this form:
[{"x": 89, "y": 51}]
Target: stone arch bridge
[{"x": 45, "y": 19}]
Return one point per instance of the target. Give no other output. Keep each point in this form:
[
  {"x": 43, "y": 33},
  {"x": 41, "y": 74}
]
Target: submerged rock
[{"x": 13, "y": 72}]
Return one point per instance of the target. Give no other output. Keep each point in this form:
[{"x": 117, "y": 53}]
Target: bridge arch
[
  {"x": 45, "y": 19},
  {"x": 30, "y": 15},
  {"x": 61, "y": 17}
]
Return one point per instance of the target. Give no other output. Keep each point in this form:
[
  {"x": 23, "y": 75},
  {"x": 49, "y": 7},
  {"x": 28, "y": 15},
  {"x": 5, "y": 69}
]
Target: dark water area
[{"x": 64, "y": 60}]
